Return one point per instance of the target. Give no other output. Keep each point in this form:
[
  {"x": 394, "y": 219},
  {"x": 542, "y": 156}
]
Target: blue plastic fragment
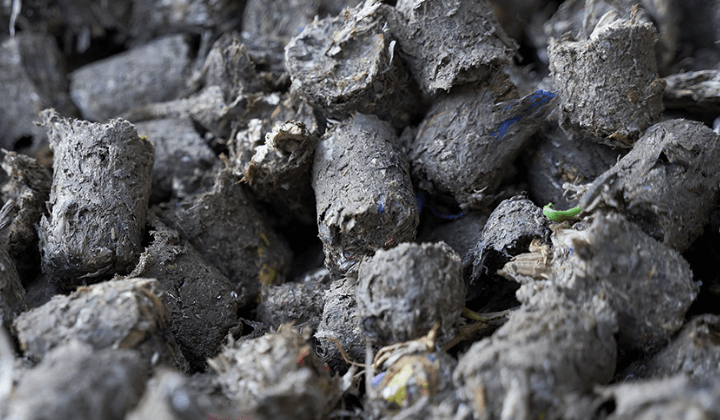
[
  {"x": 503, "y": 128},
  {"x": 420, "y": 200},
  {"x": 538, "y": 98},
  {"x": 378, "y": 379}
]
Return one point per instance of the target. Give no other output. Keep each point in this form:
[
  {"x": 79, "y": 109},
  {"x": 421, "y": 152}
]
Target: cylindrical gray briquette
[
  {"x": 404, "y": 291},
  {"x": 99, "y": 197},
  {"x": 364, "y": 198}
]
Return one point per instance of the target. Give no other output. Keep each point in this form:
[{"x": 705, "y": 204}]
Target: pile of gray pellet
[{"x": 325, "y": 209}]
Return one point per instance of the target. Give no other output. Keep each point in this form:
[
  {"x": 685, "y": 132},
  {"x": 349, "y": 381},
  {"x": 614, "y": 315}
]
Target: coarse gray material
[
  {"x": 668, "y": 184},
  {"x": 278, "y": 19},
  {"x": 182, "y": 158},
  {"x": 608, "y": 84},
  {"x": 125, "y": 314},
  {"x": 348, "y": 63},
  {"x": 277, "y": 376},
  {"x": 695, "y": 91},
  {"x": 150, "y": 18},
  {"x": 694, "y": 352},
  {"x": 12, "y": 294},
  {"x": 76, "y": 381},
  {"x": 469, "y": 137},
  {"x": 364, "y": 197},
  {"x": 461, "y": 235},
  {"x": 22, "y": 100},
  {"x": 154, "y": 72},
  {"x": 202, "y": 302},
  {"x": 541, "y": 354},
  {"x": 231, "y": 234},
  {"x": 98, "y": 202},
  {"x": 448, "y": 43},
  {"x": 557, "y": 160},
  {"x": 403, "y": 292},
  {"x": 340, "y": 322},
  {"x": 647, "y": 284},
  {"x": 24, "y": 195},
  {"x": 512, "y": 226},
  {"x": 277, "y": 164},
  {"x": 169, "y": 395},
  {"x": 300, "y": 302},
  {"x": 677, "y": 397}
]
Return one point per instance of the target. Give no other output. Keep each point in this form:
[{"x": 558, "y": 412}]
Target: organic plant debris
[{"x": 318, "y": 209}]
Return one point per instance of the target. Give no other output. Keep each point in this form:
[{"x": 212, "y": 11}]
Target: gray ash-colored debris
[
  {"x": 230, "y": 66},
  {"x": 87, "y": 234},
  {"x": 460, "y": 234},
  {"x": 364, "y": 197},
  {"x": 151, "y": 18},
  {"x": 274, "y": 155},
  {"x": 668, "y": 184},
  {"x": 556, "y": 160},
  {"x": 470, "y": 136},
  {"x": 22, "y": 100},
  {"x": 183, "y": 161},
  {"x": 542, "y": 353},
  {"x": 608, "y": 84},
  {"x": 225, "y": 226},
  {"x": 648, "y": 285},
  {"x": 150, "y": 73},
  {"x": 509, "y": 231},
  {"x": 696, "y": 91},
  {"x": 695, "y": 351},
  {"x": 98, "y": 202},
  {"x": 580, "y": 18},
  {"x": 448, "y": 43},
  {"x": 348, "y": 63},
  {"x": 24, "y": 195},
  {"x": 12, "y": 294},
  {"x": 125, "y": 314},
  {"x": 340, "y": 322},
  {"x": 676, "y": 397},
  {"x": 277, "y": 376},
  {"x": 299, "y": 302},
  {"x": 201, "y": 300},
  {"x": 169, "y": 395},
  {"x": 403, "y": 292},
  {"x": 76, "y": 381}
]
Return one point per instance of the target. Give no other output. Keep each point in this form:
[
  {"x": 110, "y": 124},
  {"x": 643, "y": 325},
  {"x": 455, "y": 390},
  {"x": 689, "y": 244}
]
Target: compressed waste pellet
[
  {"x": 76, "y": 381},
  {"x": 695, "y": 91},
  {"x": 647, "y": 284},
  {"x": 169, "y": 395},
  {"x": 541, "y": 354},
  {"x": 348, "y": 63},
  {"x": 447, "y": 43},
  {"x": 694, "y": 352},
  {"x": 404, "y": 291},
  {"x": 301, "y": 302},
  {"x": 22, "y": 101},
  {"x": 12, "y": 294},
  {"x": 340, "y": 322},
  {"x": 668, "y": 184},
  {"x": 364, "y": 197},
  {"x": 153, "y": 72},
  {"x": 150, "y": 18},
  {"x": 279, "y": 167},
  {"x": 509, "y": 231},
  {"x": 182, "y": 158},
  {"x": 201, "y": 300},
  {"x": 24, "y": 195},
  {"x": 125, "y": 314},
  {"x": 277, "y": 376},
  {"x": 556, "y": 161},
  {"x": 98, "y": 202},
  {"x": 469, "y": 138},
  {"x": 608, "y": 84},
  {"x": 231, "y": 234},
  {"x": 675, "y": 397}
]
